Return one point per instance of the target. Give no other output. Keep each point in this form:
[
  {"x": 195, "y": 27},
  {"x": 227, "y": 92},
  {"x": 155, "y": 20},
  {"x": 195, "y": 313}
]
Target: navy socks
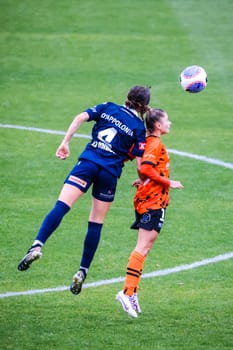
[
  {"x": 90, "y": 245},
  {"x": 52, "y": 221}
]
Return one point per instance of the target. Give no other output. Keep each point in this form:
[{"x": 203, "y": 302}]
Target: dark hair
[
  {"x": 152, "y": 116},
  {"x": 138, "y": 98}
]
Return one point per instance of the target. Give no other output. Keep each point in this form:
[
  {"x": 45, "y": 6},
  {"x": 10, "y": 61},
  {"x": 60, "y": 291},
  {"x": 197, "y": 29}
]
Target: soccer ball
[{"x": 193, "y": 79}]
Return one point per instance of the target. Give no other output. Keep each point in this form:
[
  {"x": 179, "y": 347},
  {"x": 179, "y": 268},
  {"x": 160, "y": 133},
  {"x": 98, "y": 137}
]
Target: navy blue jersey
[{"x": 117, "y": 130}]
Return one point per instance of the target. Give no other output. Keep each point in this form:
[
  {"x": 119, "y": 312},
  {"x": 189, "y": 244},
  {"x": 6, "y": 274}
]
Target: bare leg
[
  {"x": 70, "y": 194},
  {"x": 145, "y": 241}
]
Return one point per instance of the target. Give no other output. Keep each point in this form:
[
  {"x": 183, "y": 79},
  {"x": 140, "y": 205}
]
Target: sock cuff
[
  {"x": 62, "y": 205},
  {"x": 94, "y": 225},
  {"x": 138, "y": 256}
]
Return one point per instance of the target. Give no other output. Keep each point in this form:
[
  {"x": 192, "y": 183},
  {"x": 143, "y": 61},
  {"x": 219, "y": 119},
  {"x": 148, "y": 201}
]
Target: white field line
[
  {"x": 179, "y": 153},
  {"x": 46, "y": 131},
  {"x": 202, "y": 158},
  {"x": 158, "y": 273}
]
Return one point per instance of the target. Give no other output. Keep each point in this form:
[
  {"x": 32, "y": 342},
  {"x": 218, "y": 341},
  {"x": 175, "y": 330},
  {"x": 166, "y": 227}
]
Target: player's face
[{"x": 165, "y": 124}]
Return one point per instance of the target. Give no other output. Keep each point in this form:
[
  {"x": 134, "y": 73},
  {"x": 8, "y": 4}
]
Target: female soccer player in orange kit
[{"x": 150, "y": 202}]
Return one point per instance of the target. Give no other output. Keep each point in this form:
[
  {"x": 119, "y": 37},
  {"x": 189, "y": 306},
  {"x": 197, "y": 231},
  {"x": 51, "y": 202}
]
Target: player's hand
[
  {"x": 176, "y": 184},
  {"x": 136, "y": 183},
  {"x": 63, "y": 151}
]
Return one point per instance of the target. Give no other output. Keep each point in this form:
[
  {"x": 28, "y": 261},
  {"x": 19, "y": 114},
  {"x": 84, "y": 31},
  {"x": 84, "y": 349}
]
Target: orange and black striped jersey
[{"x": 153, "y": 193}]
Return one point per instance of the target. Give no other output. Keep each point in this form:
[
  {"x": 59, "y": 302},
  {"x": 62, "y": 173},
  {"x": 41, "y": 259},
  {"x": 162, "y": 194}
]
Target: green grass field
[{"x": 58, "y": 58}]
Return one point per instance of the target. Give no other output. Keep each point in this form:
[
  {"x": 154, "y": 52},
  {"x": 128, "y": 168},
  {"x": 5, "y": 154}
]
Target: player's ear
[{"x": 157, "y": 125}]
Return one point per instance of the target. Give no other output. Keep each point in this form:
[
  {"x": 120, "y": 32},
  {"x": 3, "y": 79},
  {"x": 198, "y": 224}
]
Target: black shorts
[{"x": 151, "y": 220}]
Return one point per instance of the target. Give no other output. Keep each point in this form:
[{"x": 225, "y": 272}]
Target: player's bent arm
[
  {"x": 148, "y": 171},
  {"x": 74, "y": 126},
  {"x": 63, "y": 150}
]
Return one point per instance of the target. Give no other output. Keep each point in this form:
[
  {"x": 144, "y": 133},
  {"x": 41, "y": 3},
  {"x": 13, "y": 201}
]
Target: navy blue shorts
[
  {"x": 151, "y": 220},
  {"x": 86, "y": 173}
]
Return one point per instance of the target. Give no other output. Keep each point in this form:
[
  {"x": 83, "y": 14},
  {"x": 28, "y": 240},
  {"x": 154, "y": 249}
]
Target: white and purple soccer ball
[{"x": 193, "y": 79}]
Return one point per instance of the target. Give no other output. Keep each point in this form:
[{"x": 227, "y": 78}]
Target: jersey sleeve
[
  {"x": 138, "y": 147},
  {"x": 95, "y": 111},
  {"x": 151, "y": 152},
  {"x": 150, "y": 162}
]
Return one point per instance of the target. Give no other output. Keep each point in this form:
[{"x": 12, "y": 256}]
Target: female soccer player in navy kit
[{"x": 118, "y": 133}]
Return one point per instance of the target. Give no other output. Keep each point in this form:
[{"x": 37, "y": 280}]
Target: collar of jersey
[{"x": 132, "y": 110}]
